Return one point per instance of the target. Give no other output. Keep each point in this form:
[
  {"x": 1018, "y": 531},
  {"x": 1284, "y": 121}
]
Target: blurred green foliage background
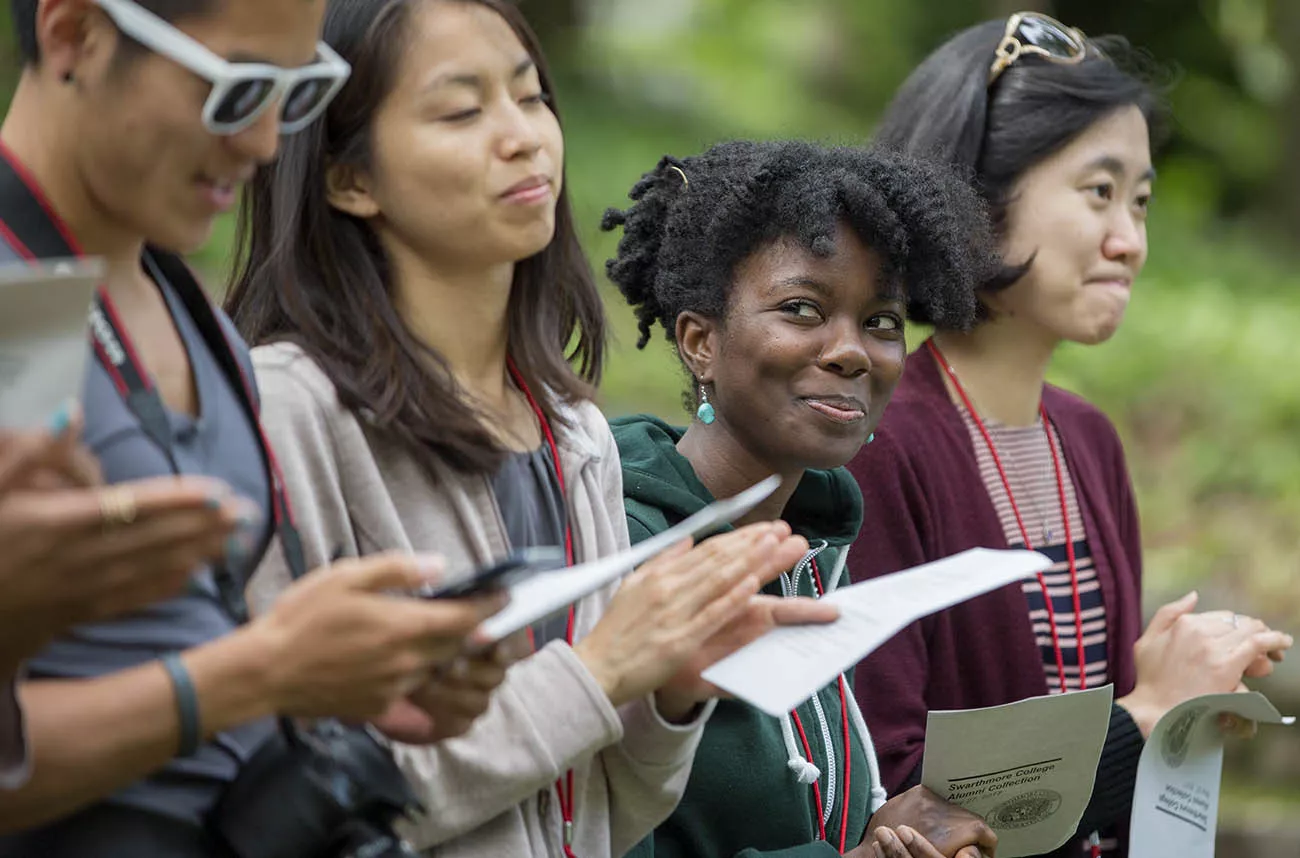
[{"x": 1202, "y": 378}]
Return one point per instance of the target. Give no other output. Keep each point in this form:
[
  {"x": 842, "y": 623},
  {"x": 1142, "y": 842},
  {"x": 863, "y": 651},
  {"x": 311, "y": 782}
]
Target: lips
[
  {"x": 840, "y": 409},
  {"x": 533, "y": 189}
]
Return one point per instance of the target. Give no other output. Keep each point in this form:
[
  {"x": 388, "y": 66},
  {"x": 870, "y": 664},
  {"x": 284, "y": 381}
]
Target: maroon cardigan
[{"x": 925, "y": 500}]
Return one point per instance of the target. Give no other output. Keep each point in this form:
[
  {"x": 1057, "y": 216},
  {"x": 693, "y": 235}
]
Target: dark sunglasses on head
[
  {"x": 241, "y": 92},
  {"x": 1037, "y": 35}
]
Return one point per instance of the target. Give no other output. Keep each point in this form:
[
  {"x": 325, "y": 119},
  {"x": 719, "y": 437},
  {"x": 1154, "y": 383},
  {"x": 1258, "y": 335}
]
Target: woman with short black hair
[{"x": 1054, "y": 131}]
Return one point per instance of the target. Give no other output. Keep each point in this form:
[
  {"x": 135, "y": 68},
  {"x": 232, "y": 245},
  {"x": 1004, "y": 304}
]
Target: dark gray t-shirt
[
  {"x": 220, "y": 443},
  {"x": 532, "y": 509}
]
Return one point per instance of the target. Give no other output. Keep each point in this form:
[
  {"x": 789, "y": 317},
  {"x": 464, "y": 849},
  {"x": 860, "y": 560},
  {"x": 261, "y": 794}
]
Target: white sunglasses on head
[{"x": 241, "y": 92}]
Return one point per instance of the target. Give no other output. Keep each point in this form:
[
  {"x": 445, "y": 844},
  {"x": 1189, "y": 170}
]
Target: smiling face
[
  {"x": 800, "y": 369},
  {"x": 141, "y": 151},
  {"x": 1081, "y": 215},
  {"x": 468, "y": 156}
]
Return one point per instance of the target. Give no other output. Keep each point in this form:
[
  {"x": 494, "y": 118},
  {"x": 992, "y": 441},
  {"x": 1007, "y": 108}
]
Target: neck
[
  {"x": 37, "y": 131},
  {"x": 1001, "y": 368},
  {"x": 461, "y": 313},
  {"x": 726, "y": 469}
]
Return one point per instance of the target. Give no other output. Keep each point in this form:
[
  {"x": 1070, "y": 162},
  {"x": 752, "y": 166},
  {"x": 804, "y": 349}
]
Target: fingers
[
  {"x": 1235, "y": 727},
  {"x": 905, "y": 842},
  {"x": 1256, "y": 646},
  {"x": 20, "y": 454},
  {"x": 379, "y": 572},
  {"x": 801, "y": 611},
  {"x": 1167, "y": 615}
]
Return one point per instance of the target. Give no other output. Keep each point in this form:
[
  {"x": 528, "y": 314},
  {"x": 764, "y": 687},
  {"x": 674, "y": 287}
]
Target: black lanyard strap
[{"x": 34, "y": 231}]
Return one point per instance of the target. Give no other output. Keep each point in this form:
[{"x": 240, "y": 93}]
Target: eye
[
  {"x": 1143, "y": 201},
  {"x": 461, "y": 115},
  {"x": 1103, "y": 190},
  {"x": 801, "y": 310},
  {"x": 536, "y": 98},
  {"x": 885, "y": 322}
]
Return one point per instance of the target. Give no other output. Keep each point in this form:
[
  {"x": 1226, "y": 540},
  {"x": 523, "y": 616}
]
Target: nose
[
  {"x": 845, "y": 351},
  {"x": 519, "y": 135},
  {"x": 1126, "y": 239},
  {"x": 259, "y": 141}
]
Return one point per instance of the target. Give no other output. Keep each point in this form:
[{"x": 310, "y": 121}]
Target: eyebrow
[
  {"x": 476, "y": 81},
  {"x": 1114, "y": 165},
  {"x": 807, "y": 282}
]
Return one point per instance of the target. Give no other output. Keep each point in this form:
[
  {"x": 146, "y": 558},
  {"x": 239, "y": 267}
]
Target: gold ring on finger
[{"x": 117, "y": 506}]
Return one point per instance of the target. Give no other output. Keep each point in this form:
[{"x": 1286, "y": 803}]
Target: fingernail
[
  {"x": 905, "y": 834},
  {"x": 60, "y": 420},
  {"x": 430, "y": 566}
]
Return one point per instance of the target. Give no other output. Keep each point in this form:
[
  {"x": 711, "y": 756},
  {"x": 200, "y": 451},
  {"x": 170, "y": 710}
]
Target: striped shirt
[{"x": 1027, "y": 460}]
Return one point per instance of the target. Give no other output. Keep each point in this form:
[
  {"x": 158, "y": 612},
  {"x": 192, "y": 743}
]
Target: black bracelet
[{"x": 187, "y": 703}]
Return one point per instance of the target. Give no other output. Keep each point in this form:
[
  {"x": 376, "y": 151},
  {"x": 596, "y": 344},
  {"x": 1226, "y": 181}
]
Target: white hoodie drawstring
[{"x": 805, "y": 771}]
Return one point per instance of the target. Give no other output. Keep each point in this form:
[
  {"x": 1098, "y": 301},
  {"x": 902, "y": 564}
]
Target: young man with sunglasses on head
[{"x": 131, "y": 129}]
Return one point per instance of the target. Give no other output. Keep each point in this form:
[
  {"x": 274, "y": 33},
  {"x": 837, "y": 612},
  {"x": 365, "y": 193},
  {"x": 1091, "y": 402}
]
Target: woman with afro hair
[{"x": 782, "y": 274}]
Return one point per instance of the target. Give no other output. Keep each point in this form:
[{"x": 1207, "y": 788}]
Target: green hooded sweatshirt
[{"x": 751, "y": 792}]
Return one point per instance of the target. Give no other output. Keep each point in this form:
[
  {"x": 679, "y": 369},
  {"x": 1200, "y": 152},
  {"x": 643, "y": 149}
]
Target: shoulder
[
  {"x": 586, "y": 432},
  {"x": 1079, "y": 419},
  {"x": 290, "y": 376},
  {"x": 643, "y": 519},
  {"x": 297, "y": 396}
]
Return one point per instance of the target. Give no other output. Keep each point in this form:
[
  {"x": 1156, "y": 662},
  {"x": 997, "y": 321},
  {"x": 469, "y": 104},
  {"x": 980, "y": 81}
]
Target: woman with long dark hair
[
  {"x": 429, "y": 335},
  {"x": 1054, "y": 130}
]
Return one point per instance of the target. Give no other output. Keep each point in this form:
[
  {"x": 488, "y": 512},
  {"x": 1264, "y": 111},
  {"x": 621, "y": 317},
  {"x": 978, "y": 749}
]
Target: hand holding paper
[
  {"x": 1176, "y": 798},
  {"x": 1026, "y": 767},
  {"x": 541, "y": 596},
  {"x": 788, "y": 665}
]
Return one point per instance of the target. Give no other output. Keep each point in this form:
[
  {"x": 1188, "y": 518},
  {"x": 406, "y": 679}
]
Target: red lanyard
[
  {"x": 848, "y": 750},
  {"x": 563, "y": 785},
  {"x": 1024, "y": 534}
]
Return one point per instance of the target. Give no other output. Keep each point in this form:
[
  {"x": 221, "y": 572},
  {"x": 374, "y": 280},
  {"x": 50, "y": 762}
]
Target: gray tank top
[
  {"x": 532, "y": 509},
  {"x": 160, "y": 814}
]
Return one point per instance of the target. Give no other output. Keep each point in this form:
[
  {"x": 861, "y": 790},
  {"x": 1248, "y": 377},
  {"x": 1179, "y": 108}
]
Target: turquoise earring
[
  {"x": 871, "y": 437},
  {"x": 705, "y": 411}
]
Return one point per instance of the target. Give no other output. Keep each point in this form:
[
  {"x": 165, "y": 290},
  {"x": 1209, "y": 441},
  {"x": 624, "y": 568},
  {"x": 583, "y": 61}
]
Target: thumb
[
  {"x": 391, "y": 571},
  {"x": 802, "y": 611},
  {"x": 1167, "y": 615}
]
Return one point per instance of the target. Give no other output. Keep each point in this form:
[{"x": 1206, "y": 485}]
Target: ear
[
  {"x": 348, "y": 190},
  {"x": 70, "y": 34},
  {"x": 697, "y": 342}
]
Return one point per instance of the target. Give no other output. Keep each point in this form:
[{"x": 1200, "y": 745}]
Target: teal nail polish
[
  {"x": 60, "y": 420},
  {"x": 214, "y": 502}
]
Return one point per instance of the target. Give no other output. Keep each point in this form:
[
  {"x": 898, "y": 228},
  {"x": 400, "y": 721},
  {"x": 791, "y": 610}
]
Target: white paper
[
  {"x": 788, "y": 665},
  {"x": 1026, "y": 767},
  {"x": 1176, "y": 798},
  {"x": 43, "y": 342},
  {"x": 548, "y": 592}
]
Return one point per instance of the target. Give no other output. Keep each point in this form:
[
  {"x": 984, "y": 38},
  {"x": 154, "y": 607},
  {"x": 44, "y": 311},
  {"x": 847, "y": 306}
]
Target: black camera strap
[{"x": 30, "y": 226}]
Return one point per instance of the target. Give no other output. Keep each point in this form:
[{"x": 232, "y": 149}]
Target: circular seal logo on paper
[
  {"x": 1026, "y": 809},
  {"x": 1179, "y": 736}
]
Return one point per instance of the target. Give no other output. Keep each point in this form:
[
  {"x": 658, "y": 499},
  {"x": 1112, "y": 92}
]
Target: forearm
[
  {"x": 648, "y": 770},
  {"x": 547, "y": 715},
  {"x": 91, "y": 737}
]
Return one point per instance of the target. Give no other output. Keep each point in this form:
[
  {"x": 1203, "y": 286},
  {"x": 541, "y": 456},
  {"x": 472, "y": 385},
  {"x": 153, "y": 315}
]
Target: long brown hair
[{"x": 319, "y": 277}]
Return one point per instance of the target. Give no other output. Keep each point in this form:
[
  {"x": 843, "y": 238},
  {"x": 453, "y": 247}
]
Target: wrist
[
  {"x": 675, "y": 707},
  {"x": 1145, "y": 713},
  {"x": 235, "y": 680},
  {"x": 606, "y": 676}
]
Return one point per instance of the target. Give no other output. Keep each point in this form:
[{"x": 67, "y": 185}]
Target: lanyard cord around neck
[
  {"x": 1024, "y": 533},
  {"x": 848, "y": 749},
  {"x": 564, "y": 784}
]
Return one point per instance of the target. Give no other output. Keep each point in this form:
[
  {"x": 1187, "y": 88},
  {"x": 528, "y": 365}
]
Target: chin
[{"x": 181, "y": 237}]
